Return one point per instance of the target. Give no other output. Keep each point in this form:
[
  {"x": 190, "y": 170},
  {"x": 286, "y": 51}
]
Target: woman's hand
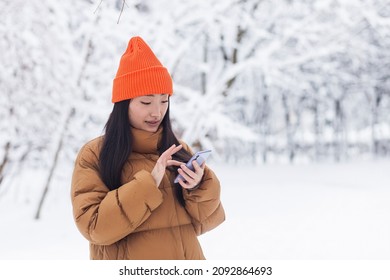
[
  {"x": 191, "y": 178},
  {"x": 163, "y": 161}
]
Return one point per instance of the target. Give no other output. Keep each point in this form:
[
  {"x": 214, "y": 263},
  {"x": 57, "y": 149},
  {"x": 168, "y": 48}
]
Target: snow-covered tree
[{"x": 256, "y": 81}]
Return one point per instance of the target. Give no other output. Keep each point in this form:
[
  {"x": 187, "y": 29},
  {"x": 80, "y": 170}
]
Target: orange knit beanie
[{"x": 140, "y": 73}]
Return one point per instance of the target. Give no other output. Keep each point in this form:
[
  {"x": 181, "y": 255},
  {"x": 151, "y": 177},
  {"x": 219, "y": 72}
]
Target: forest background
[{"x": 258, "y": 82}]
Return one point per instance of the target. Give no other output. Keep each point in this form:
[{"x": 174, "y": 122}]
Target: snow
[
  {"x": 276, "y": 212},
  {"x": 316, "y": 211},
  {"x": 295, "y": 61}
]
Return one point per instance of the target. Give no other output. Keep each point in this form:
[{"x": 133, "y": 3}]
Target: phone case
[{"x": 200, "y": 157}]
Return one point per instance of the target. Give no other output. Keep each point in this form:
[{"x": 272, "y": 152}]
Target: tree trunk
[
  {"x": 374, "y": 122},
  {"x": 71, "y": 113},
  {"x": 203, "y": 76},
  {"x": 289, "y": 136},
  {"x": 4, "y": 161},
  {"x": 317, "y": 142},
  {"x": 55, "y": 162}
]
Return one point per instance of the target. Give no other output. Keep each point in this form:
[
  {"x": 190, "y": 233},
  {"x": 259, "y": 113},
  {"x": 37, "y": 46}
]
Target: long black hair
[{"x": 118, "y": 143}]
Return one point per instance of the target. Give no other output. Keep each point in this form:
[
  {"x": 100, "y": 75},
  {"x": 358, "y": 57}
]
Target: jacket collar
[{"x": 145, "y": 142}]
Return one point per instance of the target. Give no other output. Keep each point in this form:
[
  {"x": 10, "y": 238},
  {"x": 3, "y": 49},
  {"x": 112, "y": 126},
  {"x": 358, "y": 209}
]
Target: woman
[{"x": 124, "y": 199}]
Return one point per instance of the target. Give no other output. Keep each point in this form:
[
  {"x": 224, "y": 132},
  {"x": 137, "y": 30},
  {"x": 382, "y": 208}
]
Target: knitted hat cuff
[{"x": 152, "y": 80}]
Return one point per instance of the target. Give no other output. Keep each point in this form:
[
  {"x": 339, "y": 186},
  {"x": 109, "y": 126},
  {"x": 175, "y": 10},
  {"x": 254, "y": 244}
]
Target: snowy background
[
  {"x": 274, "y": 212},
  {"x": 293, "y": 96}
]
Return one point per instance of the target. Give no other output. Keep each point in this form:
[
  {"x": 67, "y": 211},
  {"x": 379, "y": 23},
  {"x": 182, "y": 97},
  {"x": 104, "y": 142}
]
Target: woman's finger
[
  {"x": 197, "y": 174},
  {"x": 170, "y": 151},
  {"x": 187, "y": 177},
  {"x": 198, "y": 168},
  {"x": 176, "y": 149},
  {"x": 183, "y": 184},
  {"x": 188, "y": 171},
  {"x": 171, "y": 162},
  {"x": 186, "y": 185}
]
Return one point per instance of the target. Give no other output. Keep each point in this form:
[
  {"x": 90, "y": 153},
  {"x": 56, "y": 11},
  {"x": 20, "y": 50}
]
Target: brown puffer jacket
[{"x": 139, "y": 220}]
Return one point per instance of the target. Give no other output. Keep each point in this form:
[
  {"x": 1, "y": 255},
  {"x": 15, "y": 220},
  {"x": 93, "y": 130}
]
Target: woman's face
[{"x": 147, "y": 112}]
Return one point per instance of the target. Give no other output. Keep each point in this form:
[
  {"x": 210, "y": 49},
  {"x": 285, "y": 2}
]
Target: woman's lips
[{"x": 153, "y": 123}]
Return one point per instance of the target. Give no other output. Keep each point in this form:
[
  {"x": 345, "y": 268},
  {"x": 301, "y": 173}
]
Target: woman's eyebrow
[{"x": 152, "y": 95}]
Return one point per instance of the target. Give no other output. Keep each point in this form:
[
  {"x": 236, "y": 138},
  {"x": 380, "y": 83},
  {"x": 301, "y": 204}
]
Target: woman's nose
[{"x": 156, "y": 111}]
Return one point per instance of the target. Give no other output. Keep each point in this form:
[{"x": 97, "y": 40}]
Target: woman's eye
[
  {"x": 164, "y": 101},
  {"x": 146, "y": 103}
]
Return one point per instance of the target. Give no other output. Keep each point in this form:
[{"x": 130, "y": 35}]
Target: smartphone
[{"x": 200, "y": 157}]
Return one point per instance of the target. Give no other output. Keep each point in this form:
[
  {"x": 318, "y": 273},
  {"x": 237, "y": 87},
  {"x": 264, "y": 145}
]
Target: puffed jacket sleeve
[
  {"x": 103, "y": 216},
  {"x": 203, "y": 203}
]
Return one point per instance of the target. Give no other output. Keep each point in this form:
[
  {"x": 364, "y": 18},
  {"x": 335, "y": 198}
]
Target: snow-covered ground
[{"x": 276, "y": 212}]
